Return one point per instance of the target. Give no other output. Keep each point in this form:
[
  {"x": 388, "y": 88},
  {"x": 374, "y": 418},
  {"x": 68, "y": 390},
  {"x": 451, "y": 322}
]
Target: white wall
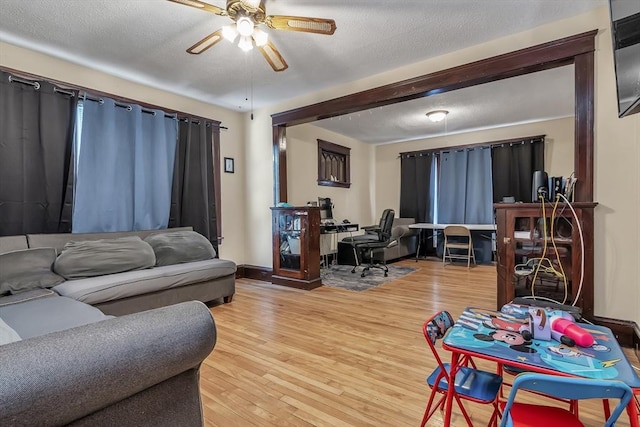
[
  {"x": 355, "y": 203},
  {"x": 231, "y": 141},
  {"x": 617, "y": 142}
]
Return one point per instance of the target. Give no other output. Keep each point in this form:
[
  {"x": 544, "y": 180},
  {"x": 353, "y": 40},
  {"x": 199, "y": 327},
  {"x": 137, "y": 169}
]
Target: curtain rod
[
  {"x": 144, "y": 110},
  {"x": 197, "y": 122},
  {"x": 36, "y": 85},
  {"x": 494, "y": 144},
  {"x": 126, "y": 106}
]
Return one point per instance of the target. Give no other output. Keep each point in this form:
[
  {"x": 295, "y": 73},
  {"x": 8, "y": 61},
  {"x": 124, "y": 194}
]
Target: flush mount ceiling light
[
  {"x": 247, "y": 16},
  {"x": 437, "y": 115}
]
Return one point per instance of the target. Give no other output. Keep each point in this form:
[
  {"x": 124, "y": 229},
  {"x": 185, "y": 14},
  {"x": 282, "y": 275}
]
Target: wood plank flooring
[{"x": 332, "y": 357}]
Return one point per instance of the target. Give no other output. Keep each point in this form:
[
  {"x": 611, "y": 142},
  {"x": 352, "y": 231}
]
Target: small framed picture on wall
[{"x": 228, "y": 165}]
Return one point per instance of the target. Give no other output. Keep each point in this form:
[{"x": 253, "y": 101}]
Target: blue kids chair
[{"x": 525, "y": 414}]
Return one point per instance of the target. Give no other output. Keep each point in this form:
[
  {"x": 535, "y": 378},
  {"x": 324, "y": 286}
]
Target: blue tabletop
[{"x": 490, "y": 333}]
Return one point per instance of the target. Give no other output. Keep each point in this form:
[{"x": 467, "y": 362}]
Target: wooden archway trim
[{"x": 578, "y": 50}]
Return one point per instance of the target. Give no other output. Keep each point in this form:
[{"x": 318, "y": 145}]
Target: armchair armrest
[
  {"x": 371, "y": 229},
  {"x": 57, "y": 378}
]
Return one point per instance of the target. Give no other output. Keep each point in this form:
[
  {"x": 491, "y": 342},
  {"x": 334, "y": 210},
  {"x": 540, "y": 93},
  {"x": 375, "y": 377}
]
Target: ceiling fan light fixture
[
  {"x": 251, "y": 5},
  {"x": 437, "y": 115},
  {"x": 245, "y": 43},
  {"x": 229, "y": 32},
  {"x": 245, "y": 26},
  {"x": 260, "y": 37}
]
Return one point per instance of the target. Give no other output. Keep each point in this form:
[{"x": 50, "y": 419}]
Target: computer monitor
[{"x": 326, "y": 208}]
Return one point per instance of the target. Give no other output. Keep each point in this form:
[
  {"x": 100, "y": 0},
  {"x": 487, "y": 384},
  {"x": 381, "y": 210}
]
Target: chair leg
[{"x": 428, "y": 412}]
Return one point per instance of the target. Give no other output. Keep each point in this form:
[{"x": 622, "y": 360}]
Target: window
[{"x": 333, "y": 165}]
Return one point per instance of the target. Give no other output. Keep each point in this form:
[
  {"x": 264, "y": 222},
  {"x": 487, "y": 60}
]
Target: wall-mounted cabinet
[
  {"x": 545, "y": 260},
  {"x": 296, "y": 247}
]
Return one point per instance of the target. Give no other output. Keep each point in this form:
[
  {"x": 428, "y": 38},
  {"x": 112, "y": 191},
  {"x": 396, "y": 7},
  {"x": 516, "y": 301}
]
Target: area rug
[{"x": 340, "y": 276}]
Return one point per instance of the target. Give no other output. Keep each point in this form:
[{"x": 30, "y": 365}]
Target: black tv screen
[{"x": 625, "y": 32}]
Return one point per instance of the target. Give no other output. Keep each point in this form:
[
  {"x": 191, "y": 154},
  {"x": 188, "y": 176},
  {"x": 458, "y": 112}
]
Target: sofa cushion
[
  {"x": 58, "y": 240},
  {"x": 13, "y": 243},
  {"x": 106, "y": 256},
  {"x": 97, "y": 290},
  {"x": 27, "y": 269},
  {"x": 180, "y": 246},
  {"x": 26, "y": 296},
  {"x": 45, "y": 315}
]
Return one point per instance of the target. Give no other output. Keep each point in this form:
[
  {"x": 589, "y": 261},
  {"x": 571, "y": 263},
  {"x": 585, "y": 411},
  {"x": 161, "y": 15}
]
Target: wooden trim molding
[{"x": 578, "y": 49}]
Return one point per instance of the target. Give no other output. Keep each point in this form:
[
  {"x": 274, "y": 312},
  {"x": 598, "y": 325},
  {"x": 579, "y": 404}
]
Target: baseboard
[
  {"x": 254, "y": 272},
  {"x": 626, "y": 332}
]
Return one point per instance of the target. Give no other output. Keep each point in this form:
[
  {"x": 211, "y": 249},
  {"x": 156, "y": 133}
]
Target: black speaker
[{"x": 539, "y": 186}]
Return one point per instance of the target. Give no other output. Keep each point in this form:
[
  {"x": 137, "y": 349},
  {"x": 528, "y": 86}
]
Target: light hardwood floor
[{"x": 332, "y": 357}]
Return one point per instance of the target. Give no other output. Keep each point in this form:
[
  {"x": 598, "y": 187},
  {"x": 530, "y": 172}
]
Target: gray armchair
[{"x": 136, "y": 370}]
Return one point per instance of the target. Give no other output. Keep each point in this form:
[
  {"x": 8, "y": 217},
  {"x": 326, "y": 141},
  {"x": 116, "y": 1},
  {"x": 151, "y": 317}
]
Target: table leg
[
  {"x": 455, "y": 356},
  {"x": 419, "y": 243},
  {"x": 632, "y": 409}
]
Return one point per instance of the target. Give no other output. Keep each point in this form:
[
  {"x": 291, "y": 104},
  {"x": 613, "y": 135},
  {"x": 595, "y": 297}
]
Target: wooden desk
[
  {"x": 604, "y": 360},
  {"x": 427, "y": 226}
]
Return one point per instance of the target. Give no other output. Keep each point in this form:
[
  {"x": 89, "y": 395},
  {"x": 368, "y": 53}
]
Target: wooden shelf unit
[
  {"x": 296, "y": 247},
  {"x": 520, "y": 237}
]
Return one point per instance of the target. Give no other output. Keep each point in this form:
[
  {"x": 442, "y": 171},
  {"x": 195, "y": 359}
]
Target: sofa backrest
[
  {"x": 13, "y": 243},
  {"x": 59, "y": 240},
  {"x": 401, "y": 227},
  {"x": 403, "y": 221}
]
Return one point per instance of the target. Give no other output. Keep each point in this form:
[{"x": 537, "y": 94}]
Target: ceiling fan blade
[
  {"x": 206, "y": 43},
  {"x": 202, "y": 6},
  {"x": 301, "y": 23},
  {"x": 273, "y": 57}
]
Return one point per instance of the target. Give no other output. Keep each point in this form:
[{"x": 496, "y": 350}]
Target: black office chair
[{"x": 370, "y": 249}]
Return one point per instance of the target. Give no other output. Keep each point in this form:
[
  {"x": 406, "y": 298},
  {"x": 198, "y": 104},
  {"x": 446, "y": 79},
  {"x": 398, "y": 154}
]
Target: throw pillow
[
  {"x": 176, "y": 247},
  {"x": 27, "y": 269},
  {"x": 90, "y": 258}
]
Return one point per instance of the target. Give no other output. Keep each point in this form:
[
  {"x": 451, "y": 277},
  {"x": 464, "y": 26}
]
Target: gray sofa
[
  {"x": 133, "y": 291},
  {"x": 69, "y": 364},
  {"x": 405, "y": 243}
]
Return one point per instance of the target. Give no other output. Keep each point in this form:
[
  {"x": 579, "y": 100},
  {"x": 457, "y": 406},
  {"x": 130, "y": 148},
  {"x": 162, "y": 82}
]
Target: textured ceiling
[{"x": 145, "y": 41}]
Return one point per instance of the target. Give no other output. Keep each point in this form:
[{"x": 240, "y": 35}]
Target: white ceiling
[{"x": 145, "y": 41}]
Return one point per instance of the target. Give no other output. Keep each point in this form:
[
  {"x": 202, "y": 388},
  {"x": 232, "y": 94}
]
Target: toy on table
[{"x": 545, "y": 324}]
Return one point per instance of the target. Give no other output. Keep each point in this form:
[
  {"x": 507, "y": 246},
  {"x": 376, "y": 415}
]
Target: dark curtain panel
[
  {"x": 36, "y": 131},
  {"x": 513, "y": 166},
  {"x": 193, "y": 199},
  {"x": 417, "y": 187}
]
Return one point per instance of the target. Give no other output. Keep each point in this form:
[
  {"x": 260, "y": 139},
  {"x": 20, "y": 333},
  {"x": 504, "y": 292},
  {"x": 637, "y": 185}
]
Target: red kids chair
[{"x": 470, "y": 383}]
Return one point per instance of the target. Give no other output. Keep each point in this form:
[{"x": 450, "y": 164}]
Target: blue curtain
[
  {"x": 465, "y": 195},
  {"x": 124, "y": 159}
]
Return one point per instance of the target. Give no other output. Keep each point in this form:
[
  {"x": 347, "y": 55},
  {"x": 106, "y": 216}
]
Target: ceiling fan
[{"x": 248, "y": 15}]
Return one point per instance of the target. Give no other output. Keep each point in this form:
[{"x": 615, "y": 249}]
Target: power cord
[
  {"x": 550, "y": 269},
  {"x": 575, "y": 216}
]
